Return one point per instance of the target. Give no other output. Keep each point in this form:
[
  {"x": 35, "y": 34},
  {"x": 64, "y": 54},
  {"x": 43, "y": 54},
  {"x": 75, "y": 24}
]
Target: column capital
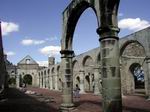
[
  {"x": 108, "y": 32},
  {"x": 67, "y": 53}
]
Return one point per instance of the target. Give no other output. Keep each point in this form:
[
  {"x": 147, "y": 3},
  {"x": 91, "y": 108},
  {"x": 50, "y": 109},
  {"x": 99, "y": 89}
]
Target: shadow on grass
[{"x": 14, "y": 100}]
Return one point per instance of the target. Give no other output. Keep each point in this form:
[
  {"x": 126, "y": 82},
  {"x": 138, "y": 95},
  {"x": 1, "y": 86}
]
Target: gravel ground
[{"x": 43, "y": 100}]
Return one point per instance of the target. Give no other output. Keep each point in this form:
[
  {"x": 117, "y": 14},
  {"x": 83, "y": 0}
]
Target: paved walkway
[{"x": 43, "y": 100}]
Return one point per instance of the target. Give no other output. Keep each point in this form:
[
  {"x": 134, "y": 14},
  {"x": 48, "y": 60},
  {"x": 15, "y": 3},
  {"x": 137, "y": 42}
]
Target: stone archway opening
[
  {"x": 27, "y": 79},
  {"x": 87, "y": 83},
  {"x": 78, "y": 80},
  {"x": 138, "y": 74}
]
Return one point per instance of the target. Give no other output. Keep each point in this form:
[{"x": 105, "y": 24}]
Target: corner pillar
[{"x": 67, "y": 75}]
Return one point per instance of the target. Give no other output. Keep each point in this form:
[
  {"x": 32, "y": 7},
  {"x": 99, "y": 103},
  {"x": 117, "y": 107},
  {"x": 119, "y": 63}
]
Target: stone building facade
[{"x": 134, "y": 54}]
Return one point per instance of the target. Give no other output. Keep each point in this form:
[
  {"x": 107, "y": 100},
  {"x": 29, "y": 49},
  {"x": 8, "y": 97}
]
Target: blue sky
[{"x": 34, "y": 27}]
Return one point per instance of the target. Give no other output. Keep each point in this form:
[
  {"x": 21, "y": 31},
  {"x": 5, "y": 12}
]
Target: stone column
[
  {"x": 97, "y": 81},
  {"x": 43, "y": 81},
  {"x": 148, "y": 76},
  {"x": 51, "y": 82},
  {"x": 56, "y": 81},
  {"x": 67, "y": 75},
  {"x": 81, "y": 72},
  {"x": 91, "y": 82},
  {"x": 17, "y": 80},
  {"x": 46, "y": 81},
  {"x": 109, "y": 41},
  {"x": 40, "y": 81}
]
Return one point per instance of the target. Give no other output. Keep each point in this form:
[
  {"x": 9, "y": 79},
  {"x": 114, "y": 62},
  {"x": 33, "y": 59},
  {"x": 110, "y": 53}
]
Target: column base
[{"x": 66, "y": 107}]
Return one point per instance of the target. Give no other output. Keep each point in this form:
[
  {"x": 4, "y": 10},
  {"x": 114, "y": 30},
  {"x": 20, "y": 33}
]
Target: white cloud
[
  {"x": 50, "y": 50},
  {"x": 10, "y": 53},
  {"x": 8, "y": 27},
  {"x": 51, "y": 38},
  {"x": 133, "y": 24},
  {"x": 43, "y": 63},
  {"x": 28, "y": 42}
]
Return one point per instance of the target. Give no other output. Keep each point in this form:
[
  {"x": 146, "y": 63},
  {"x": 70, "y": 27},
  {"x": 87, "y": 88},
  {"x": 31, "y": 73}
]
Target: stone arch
[
  {"x": 28, "y": 79},
  {"x": 75, "y": 66},
  {"x": 70, "y": 18},
  {"x": 87, "y": 60},
  {"x": 127, "y": 43},
  {"x": 88, "y": 63},
  {"x": 131, "y": 52},
  {"x": 109, "y": 32}
]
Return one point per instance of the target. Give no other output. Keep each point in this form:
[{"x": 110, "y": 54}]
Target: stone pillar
[
  {"x": 46, "y": 81},
  {"x": 40, "y": 81},
  {"x": 51, "y": 82},
  {"x": 17, "y": 80},
  {"x": 81, "y": 72},
  {"x": 67, "y": 75},
  {"x": 97, "y": 81},
  {"x": 91, "y": 82},
  {"x": 110, "y": 68},
  {"x": 56, "y": 81},
  {"x": 148, "y": 76},
  {"x": 43, "y": 85}
]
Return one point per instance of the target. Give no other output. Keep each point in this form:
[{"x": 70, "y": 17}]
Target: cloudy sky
[{"x": 34, "y": 27}]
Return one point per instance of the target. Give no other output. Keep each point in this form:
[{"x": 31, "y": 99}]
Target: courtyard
[{"x": 44, "y": 100}]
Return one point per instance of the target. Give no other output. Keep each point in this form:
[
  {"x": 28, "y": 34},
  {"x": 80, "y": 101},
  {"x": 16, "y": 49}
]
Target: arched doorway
[
  {"x": 138, "y": 74},
  {"x": 27, "y": 79},
  {"x": 132, "y": 60}
]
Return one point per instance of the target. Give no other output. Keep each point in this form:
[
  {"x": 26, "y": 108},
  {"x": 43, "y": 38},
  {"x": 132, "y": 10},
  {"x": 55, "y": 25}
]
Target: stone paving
[{"x": 43, "y": 100}]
